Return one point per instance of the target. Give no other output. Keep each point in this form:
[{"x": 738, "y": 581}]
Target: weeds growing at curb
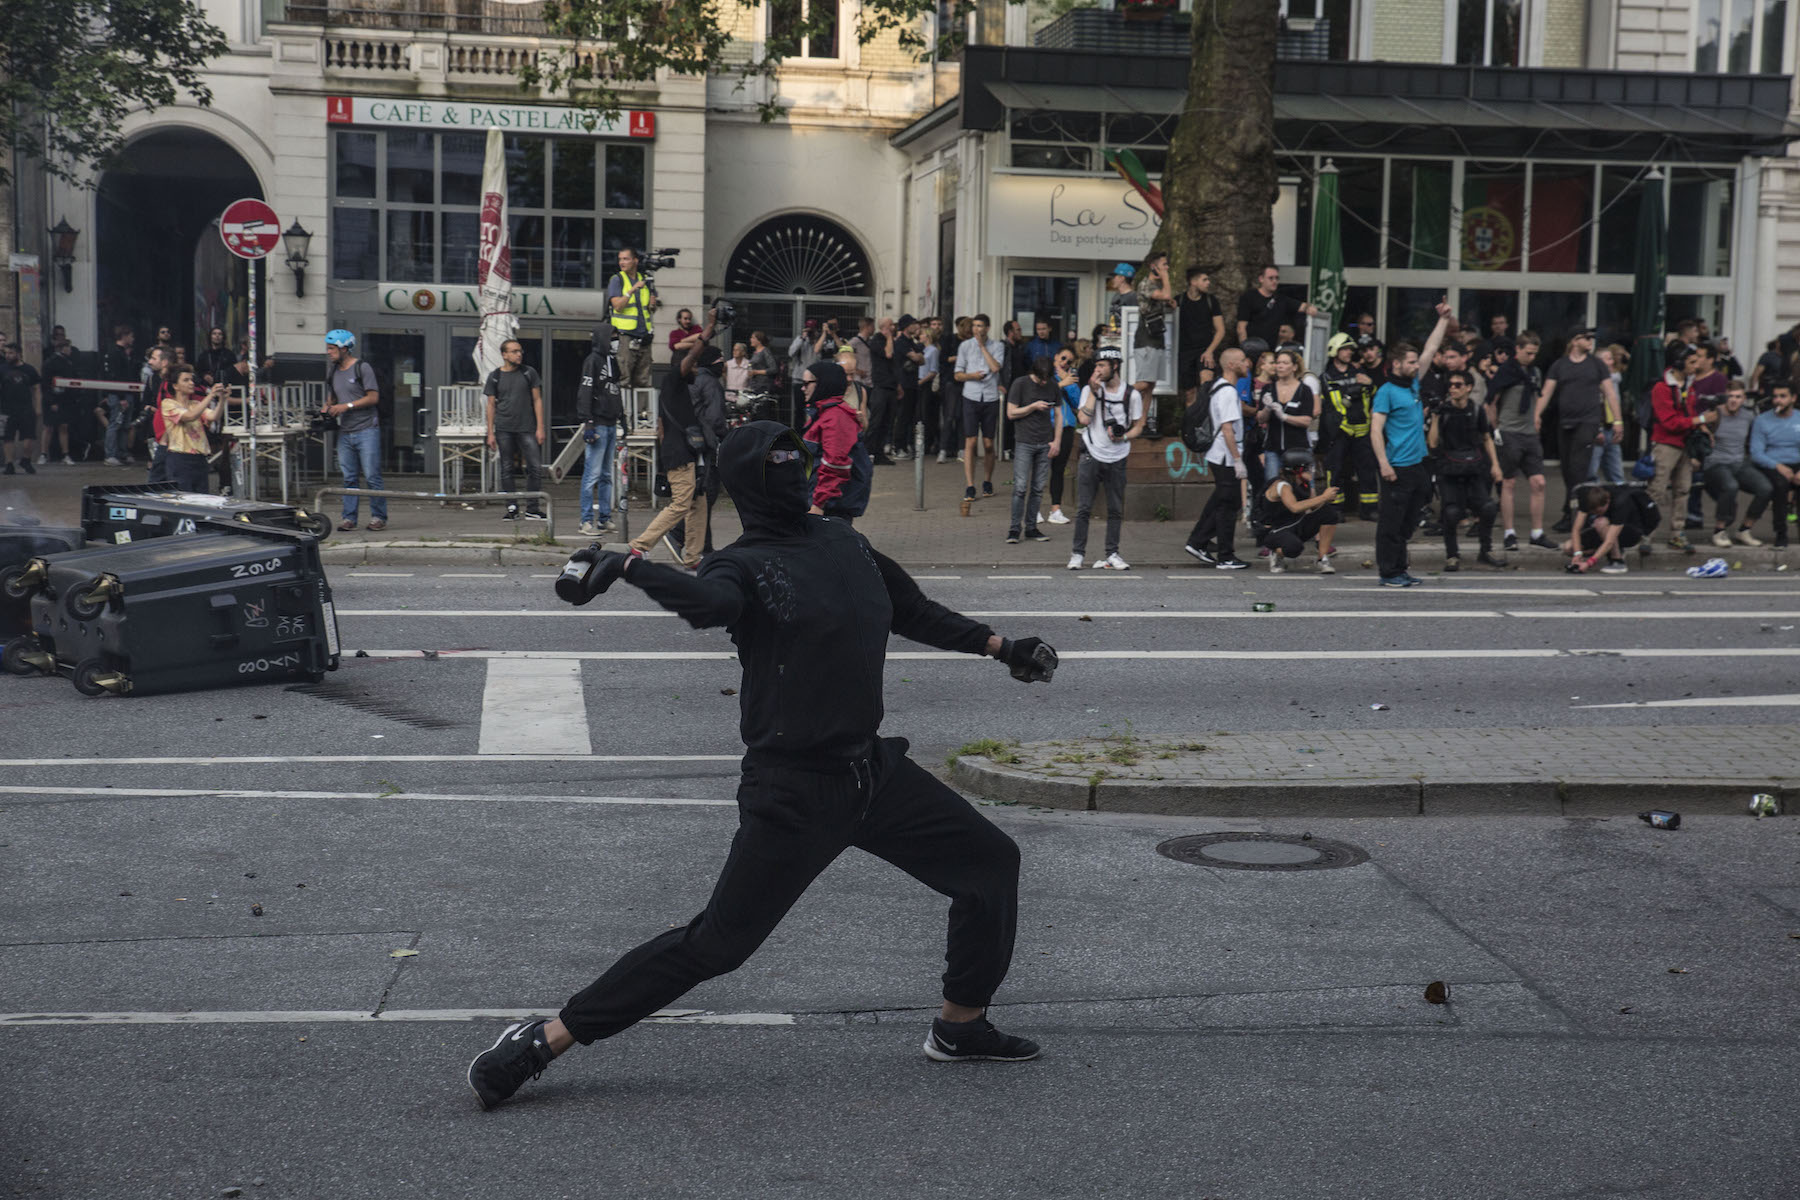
[{"x": 992, "y": 749}]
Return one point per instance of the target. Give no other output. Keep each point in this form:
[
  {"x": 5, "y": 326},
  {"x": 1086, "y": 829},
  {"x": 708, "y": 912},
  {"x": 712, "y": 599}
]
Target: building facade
[{"x": 1492, "y": 150}]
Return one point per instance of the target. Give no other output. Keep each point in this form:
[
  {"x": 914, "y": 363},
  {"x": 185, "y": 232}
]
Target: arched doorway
[
  {"x": 797, "y": 266},
  {"x": 158, "y": 258}
]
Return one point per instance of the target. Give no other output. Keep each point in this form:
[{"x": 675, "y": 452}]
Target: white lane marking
[
  {"x": 667, "y": 1016},
  {"x": 276, "y": 759},
  {"x": 381, "y": 575},
  {"x": 937, "y": 576},
  {"x": 1677, "y": 614},
  {"x": 251, "y": 794},
  {"x": 1321, "y": 657},
  {"x": 503, "y": 612},
  {"x": 1018, "y": 576},
  {"x": 534, "y": 708},
  {"x": 1107, "y": 575},
  {"x": 471, "y": 575},
  {"x": 543, "y": 577},
  {"x": 1791, "y": 700}
]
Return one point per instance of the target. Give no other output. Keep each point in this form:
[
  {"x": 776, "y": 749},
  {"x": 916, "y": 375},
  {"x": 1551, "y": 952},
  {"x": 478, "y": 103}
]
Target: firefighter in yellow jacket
[{"x": 1344, "y": 428}]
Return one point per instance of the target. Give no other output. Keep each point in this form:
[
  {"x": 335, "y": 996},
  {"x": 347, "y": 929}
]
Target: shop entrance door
[
  {"x": 398, "y": 356},
  {"x": 1052, "y": 298}
]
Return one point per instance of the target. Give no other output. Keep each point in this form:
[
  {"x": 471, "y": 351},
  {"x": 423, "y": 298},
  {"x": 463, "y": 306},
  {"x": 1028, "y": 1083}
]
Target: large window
[
  {"x": 803, "y": 28},
  {"x": 406, "y": 206},
  {"x": 1740, "y": 37}
]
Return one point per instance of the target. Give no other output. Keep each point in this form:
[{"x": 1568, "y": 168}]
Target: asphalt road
[{"x": 1623, "y": 1001}]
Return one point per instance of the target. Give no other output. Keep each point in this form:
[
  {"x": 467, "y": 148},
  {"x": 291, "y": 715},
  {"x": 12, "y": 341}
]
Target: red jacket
[
  {"x": 1673, "y": 404},
  {"x": 835, "y": 430}
]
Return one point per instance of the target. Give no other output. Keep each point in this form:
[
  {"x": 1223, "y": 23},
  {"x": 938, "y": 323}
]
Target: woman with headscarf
[{"x": 841, "y": 484}]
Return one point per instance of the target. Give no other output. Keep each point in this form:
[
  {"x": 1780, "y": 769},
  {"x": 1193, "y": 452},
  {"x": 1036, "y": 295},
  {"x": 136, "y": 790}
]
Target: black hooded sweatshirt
[{"x": 809, "y": 605}]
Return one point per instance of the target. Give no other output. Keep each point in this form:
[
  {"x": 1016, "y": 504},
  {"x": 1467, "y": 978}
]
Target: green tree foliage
[{"x": 72, "y": 70}]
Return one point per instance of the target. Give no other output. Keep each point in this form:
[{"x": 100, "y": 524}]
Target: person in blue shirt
[
  {"x": 1068, "y": 380},
  {"x": 1397, "y": 432},
  {"x": 1775, "y": 447}
]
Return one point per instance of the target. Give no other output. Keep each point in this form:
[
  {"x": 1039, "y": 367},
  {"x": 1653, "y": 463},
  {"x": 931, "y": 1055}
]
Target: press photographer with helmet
[{"x": 810, "y": 606}]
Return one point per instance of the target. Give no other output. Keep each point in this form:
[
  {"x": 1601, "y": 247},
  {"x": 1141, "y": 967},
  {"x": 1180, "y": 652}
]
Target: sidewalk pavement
[
  {"x": 430, "y": 531},
  {"x": 1613, "y": 771}
]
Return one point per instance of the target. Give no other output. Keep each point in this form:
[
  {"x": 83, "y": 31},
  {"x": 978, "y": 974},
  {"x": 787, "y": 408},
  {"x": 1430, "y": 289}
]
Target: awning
[
  {"x": 1673, "y": 119},
  {"x": 1074, "y": 97}
]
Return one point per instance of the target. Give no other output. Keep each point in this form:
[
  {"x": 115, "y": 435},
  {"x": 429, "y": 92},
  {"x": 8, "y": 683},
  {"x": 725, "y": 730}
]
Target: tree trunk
[{"x": 1220, "y": 184}]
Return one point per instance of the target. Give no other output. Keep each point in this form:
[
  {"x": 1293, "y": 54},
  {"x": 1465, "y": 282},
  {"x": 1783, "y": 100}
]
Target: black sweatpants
[
  {"x": 1216, "y": 530},
  {"x": 1576, "y": 447},
  {"x": 1065, "y": 454},
  {"x": 1461, "y": 497},
  {"x": 791, "y": 824},
  {"x": 1401, "y": 503}
]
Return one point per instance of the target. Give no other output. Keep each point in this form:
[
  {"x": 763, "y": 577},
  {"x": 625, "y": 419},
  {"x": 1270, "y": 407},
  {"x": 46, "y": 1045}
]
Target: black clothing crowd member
[
  {"x": 1296, "y": 516},
  {"x": 1463, "y": 442},
  {"x": 1608, "y": 519},
  {"x": 809, "y": 604}
]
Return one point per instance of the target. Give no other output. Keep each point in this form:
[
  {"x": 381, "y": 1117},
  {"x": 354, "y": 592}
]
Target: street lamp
[
  {"x": 296, "y": 239},
  {"x": 63, "y": 252}
]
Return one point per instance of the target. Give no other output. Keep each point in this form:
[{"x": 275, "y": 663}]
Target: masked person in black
[
  {"x": 1462, "y": 440},
  {"x": 809, "y": 604}
]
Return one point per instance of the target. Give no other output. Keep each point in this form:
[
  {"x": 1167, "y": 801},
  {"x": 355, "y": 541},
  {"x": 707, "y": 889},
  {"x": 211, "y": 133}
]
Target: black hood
[
  {"x": 770, "y": 498},
  {"x": 830, "y": 379}
]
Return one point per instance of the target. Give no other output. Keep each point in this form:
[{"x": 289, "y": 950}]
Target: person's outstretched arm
[
  {"x": 923, "y": 619},
  {"x": 708, "y": 600}
]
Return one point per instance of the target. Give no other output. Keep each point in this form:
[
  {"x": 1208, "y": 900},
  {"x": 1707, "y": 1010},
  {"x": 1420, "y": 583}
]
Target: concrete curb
[
  {"x": 1363, "y": 796},
  {"x": 503, "y": 554}
]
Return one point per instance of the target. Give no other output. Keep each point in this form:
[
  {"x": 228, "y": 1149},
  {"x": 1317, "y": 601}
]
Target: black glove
[
  {"x": 589, "y": 572},
  {"x": 1032, "y": 660}
]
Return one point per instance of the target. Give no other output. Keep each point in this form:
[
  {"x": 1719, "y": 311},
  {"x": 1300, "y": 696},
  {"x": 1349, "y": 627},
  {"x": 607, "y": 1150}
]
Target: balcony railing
[
  {"x": 502, "y": 17},
  {"x": 1110, "y": 31}
]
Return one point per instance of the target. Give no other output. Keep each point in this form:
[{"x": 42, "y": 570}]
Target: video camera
[{"x": 659, "y": 259}]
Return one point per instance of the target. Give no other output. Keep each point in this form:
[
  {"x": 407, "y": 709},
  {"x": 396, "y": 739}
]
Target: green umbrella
[
  {"x": 1326, "y": 290},
  {"x": 1649, "y": 292}
]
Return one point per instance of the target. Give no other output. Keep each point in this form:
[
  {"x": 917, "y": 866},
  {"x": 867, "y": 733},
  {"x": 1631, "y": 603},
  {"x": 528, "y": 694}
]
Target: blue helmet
[{"x": 340, "y": 337}]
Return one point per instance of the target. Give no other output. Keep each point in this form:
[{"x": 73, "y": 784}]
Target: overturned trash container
[
  {"x": 132, "y": 512},
  {"x": 180, "y": 613},
  {"x": 19, "y": 544}
]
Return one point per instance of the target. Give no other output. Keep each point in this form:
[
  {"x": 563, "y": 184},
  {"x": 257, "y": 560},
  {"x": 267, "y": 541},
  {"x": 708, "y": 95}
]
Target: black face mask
[{"x": 770, "y": 497}]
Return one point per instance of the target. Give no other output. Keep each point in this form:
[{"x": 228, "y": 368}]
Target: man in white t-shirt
[
  {"x": 1111, "y": 417},
  {"x": 1212, "y": 539}
]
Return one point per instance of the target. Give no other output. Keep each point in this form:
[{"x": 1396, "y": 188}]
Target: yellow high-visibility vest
[{"x": 633, "y": 320}]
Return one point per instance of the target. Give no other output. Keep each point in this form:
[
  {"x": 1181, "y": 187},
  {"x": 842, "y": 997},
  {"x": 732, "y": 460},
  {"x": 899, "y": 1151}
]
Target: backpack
[{"x": 1197, "y": 430}]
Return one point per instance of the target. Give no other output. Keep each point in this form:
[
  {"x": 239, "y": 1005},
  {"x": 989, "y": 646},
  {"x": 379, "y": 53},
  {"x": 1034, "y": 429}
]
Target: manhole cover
[{"x": 1262, "y": 852}]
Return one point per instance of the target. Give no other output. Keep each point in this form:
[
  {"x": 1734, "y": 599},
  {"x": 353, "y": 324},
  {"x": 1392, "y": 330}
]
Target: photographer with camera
[
  {"x": 599, "y": 407},
  {"x": 810, "y": 606},
  {"x": 632, "y": 298},
  {"x": 184, "y": 418}
]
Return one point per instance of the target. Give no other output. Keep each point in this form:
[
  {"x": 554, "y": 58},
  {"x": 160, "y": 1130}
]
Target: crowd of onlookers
[{"x": 46, "y": 422}]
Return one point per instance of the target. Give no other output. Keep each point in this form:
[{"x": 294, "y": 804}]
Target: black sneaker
[
  {"x": 976, "y": 1041},
  {"x": 968, "y": 493},
  {"x": 1231, "y": 564},
  {"x": 29, "y": 469},
  {"x": 1012, "y": 537},
  {"x": 1487, "y": 559},
  {"x": 1036, "y": 535},
  {"x": 1452, "y": 563},
  {"x": 1543, "y": 542},
  {"x": 987, "y": 490},
  {"x": 511, "y": 513},
  {"x": 1562, "y": 526},
  {"x": 532, "y": 514},
  {"x": 10, "y": 470},
  {"x": 1512, "y": 541},
  {"x": 518, "y": 1054},
  {"x": 1205, "y": 556}
]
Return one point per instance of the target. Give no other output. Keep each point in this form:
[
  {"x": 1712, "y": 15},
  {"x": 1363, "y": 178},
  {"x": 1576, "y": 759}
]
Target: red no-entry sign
[{"x": 249, "y": 228}]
